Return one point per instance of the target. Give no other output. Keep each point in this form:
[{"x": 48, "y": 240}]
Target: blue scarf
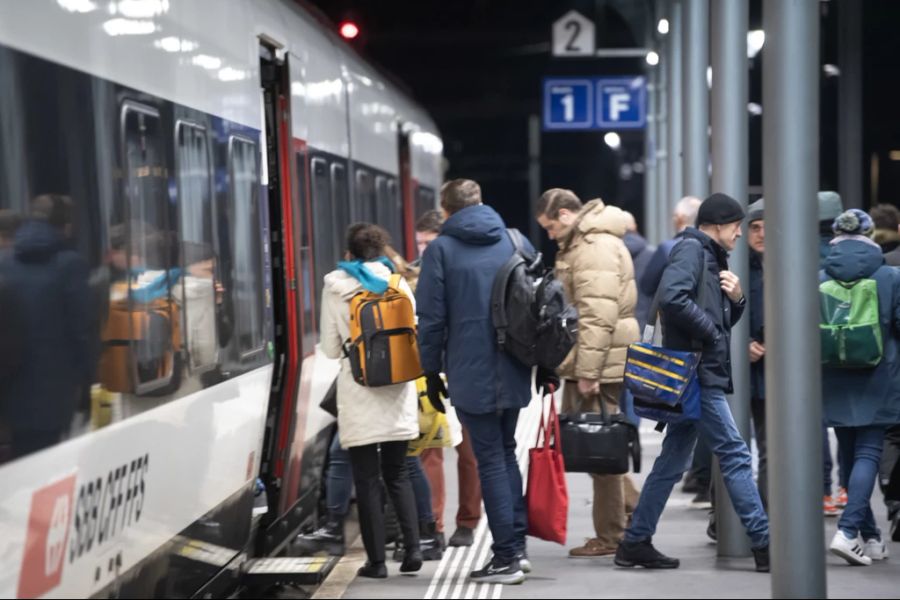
[{"x": 358, "y": 269}]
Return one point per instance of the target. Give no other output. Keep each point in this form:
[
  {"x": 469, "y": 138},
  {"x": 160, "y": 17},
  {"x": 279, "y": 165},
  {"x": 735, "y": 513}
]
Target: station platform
[{"x": 681, "y": 533}]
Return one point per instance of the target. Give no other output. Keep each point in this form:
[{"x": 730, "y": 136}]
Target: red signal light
[{"x": 349, "y": 30}]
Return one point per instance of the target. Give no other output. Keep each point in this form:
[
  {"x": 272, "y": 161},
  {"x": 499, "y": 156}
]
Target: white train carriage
[{"x": 210, "y": 154}]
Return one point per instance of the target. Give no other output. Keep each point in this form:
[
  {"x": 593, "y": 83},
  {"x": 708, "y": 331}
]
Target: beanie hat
[
  {"x": 755, "y": 211},
  {"x": 719, "y": 209},
  {"x": 853, "y": 222},
  {"x": 830, "y": 206}
]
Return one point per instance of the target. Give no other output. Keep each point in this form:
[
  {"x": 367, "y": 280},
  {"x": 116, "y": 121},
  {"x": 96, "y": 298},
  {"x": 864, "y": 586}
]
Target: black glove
[
  {"x": 436, "y": 391},
  {"x": 545, "y": 380}
]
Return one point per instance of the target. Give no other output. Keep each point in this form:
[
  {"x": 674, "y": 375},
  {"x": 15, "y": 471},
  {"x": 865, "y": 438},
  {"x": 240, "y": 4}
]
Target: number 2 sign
[{"x": 573, "y": 35}]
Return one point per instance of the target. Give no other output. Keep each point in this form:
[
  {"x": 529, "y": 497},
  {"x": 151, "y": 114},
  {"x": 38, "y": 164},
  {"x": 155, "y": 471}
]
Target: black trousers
[
  {"x": 889, "y": 475},
  {"x": 371, "y": 464}
]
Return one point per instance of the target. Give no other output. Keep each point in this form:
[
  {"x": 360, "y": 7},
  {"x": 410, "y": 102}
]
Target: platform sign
[
  {"x": 580, "y": 104},
  {"x": 568, "y": 104},
  {"x": 574, "y": 35},
  {"x": 621, "y": 103}
]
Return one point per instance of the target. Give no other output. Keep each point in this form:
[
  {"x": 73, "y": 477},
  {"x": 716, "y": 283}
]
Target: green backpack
[{"x": 849, "y": 326}]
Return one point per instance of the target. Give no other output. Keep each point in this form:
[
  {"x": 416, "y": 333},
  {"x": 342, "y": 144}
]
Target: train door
[
  {"x": 283, "y": 394},
  {"x": 408, "y": 193}
]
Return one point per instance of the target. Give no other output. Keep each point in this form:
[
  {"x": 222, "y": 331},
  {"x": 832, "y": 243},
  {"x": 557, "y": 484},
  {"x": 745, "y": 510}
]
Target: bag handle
[{"x": 549, "y": 426}]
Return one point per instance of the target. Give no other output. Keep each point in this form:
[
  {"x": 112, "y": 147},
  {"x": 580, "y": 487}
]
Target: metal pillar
[
  {"x": 651, "y": 198},
  {"x": 850, "y": 105},
  {"x": 534, "y": 176},
  {"x": 696, "y": 98},
  {"x": 729, "y": 20},
  {"x": 674, "y": 44},
  {"x": 662, "y": 157},
  {"x": 793, "y": 372}
]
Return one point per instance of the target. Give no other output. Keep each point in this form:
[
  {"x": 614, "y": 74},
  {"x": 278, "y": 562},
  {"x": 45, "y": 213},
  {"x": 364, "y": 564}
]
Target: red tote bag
[{"x": 548, "y": 498}]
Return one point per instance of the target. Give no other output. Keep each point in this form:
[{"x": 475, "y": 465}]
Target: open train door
[{"x": 281, "y": 420}]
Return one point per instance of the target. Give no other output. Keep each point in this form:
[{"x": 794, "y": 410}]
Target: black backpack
[{"x": 534, "y": 322}]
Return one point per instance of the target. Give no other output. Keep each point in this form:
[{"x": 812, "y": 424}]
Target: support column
[
  {"x": 696, "y": 98},
  {"x": 793, "y": 371},
  {"x": 674, "y": 59},
  {"x": 729, "y": 20}
]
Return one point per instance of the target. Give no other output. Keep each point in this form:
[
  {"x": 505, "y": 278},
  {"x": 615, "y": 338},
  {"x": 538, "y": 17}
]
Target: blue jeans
[
  {"x": 421, "y": 489},
  {"x": 494, "y": 443},
  {"x": 716, "y": 426},
  {"x": 860, "y": 449},
  {"x": 339, "y": 481}
]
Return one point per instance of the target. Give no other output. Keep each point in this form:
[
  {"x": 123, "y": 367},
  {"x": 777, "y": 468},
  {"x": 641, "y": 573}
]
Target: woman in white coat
[{"x": 374, "y": 423}]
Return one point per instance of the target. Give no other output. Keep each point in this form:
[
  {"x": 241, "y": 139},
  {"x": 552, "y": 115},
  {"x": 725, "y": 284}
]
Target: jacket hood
[
  {"x": 595, "y": 217},
  {"x": 479, "y": 225},
  {"x": 635, "y": 243},
  {"x": 710, "y": 244},
  {"x": 37, "y": 241},
  {"x": 346, "y": 286},
  {"x": 851, "y": 260}
]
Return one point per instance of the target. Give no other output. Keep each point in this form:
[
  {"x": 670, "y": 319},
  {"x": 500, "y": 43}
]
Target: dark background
[{"x": 477, "y": 66}]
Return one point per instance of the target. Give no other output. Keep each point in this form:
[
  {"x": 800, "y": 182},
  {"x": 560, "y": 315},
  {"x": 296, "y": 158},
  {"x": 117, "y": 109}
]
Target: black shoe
[
  {"x": 643, "y": 554},
  {"x": 412, "y": 561},
  {"x": 703, "y": 499},
  {"x": 691, "y": 486},
  {"x": 329, "y": 538},
  {"x": 498, "y": 572},
  {"x": 373, "y": 571},
  {"x": 463, "y": 536},
  {"x": 895, "y": 528},
  {"x": 439, "y": 536},
  {"x": 761, "y": 556},
  {"x": 711, "y": 528},
  {"x": 432, "y": 548}
]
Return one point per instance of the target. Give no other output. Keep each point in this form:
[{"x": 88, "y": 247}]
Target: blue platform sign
[
  {"x": 590, "y": 103},
  {"x": 621, "y": 103},
  {"x": 568, "y": 103}
]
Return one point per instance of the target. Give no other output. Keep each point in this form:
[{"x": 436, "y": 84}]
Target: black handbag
[{"x": 599, "y": 443}]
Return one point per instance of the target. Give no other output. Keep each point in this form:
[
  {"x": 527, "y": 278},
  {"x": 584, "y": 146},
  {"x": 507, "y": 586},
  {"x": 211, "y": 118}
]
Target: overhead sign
[
  {"x": 573, "y": 104},
  {"x": 574, "y": 35}
]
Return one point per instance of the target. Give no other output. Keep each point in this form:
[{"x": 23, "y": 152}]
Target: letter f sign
[{"x": 618, "y": 103}]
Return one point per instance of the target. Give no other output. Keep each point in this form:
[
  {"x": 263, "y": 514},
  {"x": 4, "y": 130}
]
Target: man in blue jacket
[
  {"x": 700, "y": 302},
  {"x": 488, "y": 387}
]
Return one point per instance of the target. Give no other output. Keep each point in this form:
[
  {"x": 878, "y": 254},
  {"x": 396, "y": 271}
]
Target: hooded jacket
[
  {"x": 366, "y": 415},
  {"x": 595, "y": 268},
  {"x": 51, "y": 282},
  {"x": 453, "y": 301},
  {"x": 862, "y": 397},
  {"x": 699, "y": 318}
]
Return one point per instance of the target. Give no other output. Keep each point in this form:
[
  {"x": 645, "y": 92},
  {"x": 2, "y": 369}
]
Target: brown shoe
[{"x": 591, "y": 549}]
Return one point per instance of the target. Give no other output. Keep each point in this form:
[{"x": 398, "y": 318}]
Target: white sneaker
[
  {"x": 849, "y": 549},
  {"x": 876, "y": 549}
]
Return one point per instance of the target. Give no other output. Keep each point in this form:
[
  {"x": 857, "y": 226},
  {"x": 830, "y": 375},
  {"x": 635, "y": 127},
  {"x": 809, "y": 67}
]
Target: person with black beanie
[{"x": 700, "y": 300}]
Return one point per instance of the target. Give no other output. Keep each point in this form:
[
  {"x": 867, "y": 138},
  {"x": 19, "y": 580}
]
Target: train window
[
  {"x": 326, "y": 246},
  {"x": 247, "y": 280},
  {"x": 307, "y": 273},
  {"x": 424, "y": 200},
  {"x": 340, "y": 203},
  {"x": 390, "y": 209},
  {"x": 142, "y": 307},
  {"x": 365, "y": 197},
  {"x": 198, "y": 293}
]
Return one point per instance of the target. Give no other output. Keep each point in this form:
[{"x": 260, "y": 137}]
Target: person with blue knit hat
[{"x": 860, "y": 402}]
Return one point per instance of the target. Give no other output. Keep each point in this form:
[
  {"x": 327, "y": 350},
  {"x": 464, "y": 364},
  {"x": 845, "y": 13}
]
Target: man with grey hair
[{"x": 488, "y": 386}]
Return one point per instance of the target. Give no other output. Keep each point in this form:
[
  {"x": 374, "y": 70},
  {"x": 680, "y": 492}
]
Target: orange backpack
[{"x": 382, "y": 347}]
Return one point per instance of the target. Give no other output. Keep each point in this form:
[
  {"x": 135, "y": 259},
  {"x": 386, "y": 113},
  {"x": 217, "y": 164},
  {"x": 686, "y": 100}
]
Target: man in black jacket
[{"x": 698, "y": 310}]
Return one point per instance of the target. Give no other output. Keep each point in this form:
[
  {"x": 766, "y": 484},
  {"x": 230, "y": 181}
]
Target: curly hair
[{"x": 366, "y": 241}]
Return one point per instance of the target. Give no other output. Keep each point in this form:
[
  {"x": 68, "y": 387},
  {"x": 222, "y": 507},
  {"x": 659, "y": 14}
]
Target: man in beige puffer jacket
[{"x": 596, "y": 271}]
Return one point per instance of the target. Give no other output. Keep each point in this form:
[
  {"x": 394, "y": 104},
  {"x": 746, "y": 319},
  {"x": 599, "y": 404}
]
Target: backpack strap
[
  {"x": 394, "y": 281},
  {"x": 498, "y": 297}
]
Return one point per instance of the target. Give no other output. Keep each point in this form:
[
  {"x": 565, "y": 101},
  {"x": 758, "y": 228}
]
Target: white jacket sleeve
[{"x": 331, "y": 341}]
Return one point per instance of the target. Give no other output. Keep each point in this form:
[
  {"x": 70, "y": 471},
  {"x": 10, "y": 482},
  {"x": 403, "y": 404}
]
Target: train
[{"x": 206, "y": 157}]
